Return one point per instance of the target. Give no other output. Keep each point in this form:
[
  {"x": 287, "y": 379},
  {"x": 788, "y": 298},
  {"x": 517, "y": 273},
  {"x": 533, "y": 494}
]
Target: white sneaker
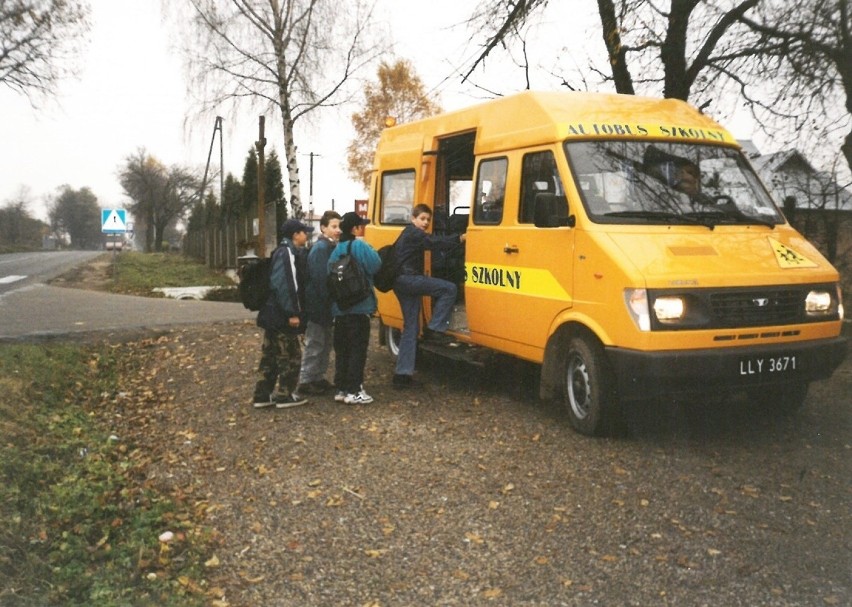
[
  {"x": 339, "y": 396},
  {"x": 360, "y": 398}
]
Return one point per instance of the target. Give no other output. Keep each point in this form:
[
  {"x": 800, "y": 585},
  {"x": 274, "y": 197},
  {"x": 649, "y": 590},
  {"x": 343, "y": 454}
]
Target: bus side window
[
  {"x": 490, "y": 191},
  {"x": 538, "y": 176}
]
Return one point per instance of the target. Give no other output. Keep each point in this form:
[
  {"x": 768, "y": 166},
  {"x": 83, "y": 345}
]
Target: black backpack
[
  {"x": 347, "y": 283},
  {"x": 254, "y": 283},
  {"x": 386, "y": 275}
]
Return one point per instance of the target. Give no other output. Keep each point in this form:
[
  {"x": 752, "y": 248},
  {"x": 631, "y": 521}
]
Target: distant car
[{"x": 112, "y": 245}]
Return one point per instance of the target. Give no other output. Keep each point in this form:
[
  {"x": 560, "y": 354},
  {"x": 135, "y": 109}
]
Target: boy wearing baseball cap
[
  {"x": 282, "y": 320},
  {"x": 352, "y": 325}
]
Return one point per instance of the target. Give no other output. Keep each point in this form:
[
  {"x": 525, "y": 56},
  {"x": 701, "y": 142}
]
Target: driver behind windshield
[{"x": 688, "y": 179}]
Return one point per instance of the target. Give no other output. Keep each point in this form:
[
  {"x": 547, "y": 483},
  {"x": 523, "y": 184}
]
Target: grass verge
[
  {"x": 80, "y": 525},
  {"x": 137, "y": 273}
]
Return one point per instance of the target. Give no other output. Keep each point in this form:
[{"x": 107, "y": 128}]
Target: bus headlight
[
  {"x": 669, "y": 309},
  {"x": 818, "y": 303},
  {"x": 637, "y": 306}
]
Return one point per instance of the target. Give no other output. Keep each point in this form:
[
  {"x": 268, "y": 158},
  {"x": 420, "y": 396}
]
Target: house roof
[
  {"x": 778, "y": 160},
  {"x": 790, "y": 162}
]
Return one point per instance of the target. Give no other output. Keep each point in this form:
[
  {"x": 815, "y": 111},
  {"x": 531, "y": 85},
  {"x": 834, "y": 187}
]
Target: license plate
[{"x": 768, "y": 365}]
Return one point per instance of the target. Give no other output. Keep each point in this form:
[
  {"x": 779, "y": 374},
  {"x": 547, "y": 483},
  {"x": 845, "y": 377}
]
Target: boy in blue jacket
[
  {"x": 318, "y": 335},
  {"x": 282, "y": 319},
  {"x": 352, "y": 325}
]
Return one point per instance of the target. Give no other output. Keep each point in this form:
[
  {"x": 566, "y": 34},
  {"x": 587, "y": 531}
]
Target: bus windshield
[{"x": 652, "y": 182}]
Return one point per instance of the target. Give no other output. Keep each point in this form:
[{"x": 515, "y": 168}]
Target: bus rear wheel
[{"x": 392, "y": 336}]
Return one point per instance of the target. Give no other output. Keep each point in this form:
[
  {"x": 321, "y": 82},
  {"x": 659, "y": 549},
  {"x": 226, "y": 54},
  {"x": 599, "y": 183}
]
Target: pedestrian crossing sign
[{"x": 113, "y": 221}]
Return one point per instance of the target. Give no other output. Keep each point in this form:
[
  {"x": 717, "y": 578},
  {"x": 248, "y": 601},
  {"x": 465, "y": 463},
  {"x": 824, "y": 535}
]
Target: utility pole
[
  {"x": 311, "y": 185},
  {"x": 261, "y": 190},
  {"x": 216, "y": 127}
]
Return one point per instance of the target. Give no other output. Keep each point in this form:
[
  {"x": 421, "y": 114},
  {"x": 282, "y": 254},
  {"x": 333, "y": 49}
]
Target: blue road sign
[{"x": 113, "y": 221}]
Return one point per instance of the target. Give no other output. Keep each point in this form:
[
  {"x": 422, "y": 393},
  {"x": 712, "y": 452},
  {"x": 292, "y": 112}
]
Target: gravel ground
[{"x": 472, "y": 492}]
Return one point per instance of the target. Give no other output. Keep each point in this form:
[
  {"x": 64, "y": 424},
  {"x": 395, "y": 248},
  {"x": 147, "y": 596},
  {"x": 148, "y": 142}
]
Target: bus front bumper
[{"x": 640, "y": 375}]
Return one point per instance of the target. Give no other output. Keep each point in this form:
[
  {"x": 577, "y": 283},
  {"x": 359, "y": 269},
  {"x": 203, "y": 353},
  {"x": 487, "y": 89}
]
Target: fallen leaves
[
  {"x": 374, "y": 553},
  {"x": 473, "y": 538}
]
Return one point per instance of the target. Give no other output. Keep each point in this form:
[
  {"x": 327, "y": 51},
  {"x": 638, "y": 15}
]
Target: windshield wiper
[
  {"x": 666, "y": 216},
  {"x": 731, "y": 212}
]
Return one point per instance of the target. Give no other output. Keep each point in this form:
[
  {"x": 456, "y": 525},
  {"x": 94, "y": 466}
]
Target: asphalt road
[{"x": 31, "y": 309}]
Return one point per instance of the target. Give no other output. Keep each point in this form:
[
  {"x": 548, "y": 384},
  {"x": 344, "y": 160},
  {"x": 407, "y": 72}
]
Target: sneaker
[
  {"x": 405, "y": 382},
  {"x": 261, "y": 401},
  {"x": 359, "y": 398},
  {"x": 285, "y": 401},
  {"x": 339, "y": 396}
]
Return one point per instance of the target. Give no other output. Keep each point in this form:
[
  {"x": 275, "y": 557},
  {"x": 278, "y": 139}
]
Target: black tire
[
  {"x": 784, "y": 399},
  {"x": 392, "y": 337},
  {"x": 588, "y": 391}
]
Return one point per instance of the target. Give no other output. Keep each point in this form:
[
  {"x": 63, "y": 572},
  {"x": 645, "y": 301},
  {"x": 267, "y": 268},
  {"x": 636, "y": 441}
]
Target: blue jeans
[{"x": 409, "y": 290}]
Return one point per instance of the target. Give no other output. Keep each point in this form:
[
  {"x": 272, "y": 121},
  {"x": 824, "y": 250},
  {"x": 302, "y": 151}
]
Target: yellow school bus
[{"x": 623, "y": 243}]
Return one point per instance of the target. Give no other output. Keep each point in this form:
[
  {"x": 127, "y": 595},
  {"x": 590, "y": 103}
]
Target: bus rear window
[{"x": 397, "y": 196}]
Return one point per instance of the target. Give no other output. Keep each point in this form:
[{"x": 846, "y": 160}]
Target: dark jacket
[
  {"x": 369, "y": 261},
  {"x": 286, "y": 282},
  {"x": 413, "y": 242},
  {"x": 317, "y": 300}
]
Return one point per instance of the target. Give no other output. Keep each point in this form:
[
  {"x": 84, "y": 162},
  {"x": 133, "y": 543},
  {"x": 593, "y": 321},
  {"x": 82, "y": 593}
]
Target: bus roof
[{"x": 537, "y": 118}]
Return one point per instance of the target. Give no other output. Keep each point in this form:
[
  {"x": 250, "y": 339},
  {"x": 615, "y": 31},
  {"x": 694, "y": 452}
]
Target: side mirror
[{"x": 551, "y": 211}]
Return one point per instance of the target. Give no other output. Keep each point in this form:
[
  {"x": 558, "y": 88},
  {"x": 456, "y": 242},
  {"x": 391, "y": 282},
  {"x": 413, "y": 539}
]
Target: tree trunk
[
  {"x": 673, "y": 51},
  {"x": 149, "y": 230},
  {"x": 292, "y": 165},
  {"x": 847, "y": 149},
  {"x": 615, "y": 51}
]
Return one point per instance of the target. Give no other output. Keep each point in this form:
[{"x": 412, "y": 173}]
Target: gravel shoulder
[{"x": 472, "y": 492}]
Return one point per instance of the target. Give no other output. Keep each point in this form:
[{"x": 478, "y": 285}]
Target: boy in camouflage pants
[{"x": 283, "y": 320}]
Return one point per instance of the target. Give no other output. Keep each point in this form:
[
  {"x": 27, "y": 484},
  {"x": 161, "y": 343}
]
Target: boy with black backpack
[
  {"x": 282, "y": 318},
  {"x": 352, "y": 322}
]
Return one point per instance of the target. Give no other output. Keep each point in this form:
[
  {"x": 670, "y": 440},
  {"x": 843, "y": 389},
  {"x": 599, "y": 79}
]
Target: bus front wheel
[{"x": 587, "y": 388}]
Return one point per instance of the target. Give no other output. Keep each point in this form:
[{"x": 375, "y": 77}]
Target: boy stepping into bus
[{"x": 412, "y": 285}]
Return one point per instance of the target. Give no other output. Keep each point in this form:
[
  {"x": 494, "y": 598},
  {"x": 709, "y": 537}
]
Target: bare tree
[
  {"x": 809, "y": 62},
  {"x": 292, "y": 56},
  {"x": 39, "y": 42},
  {"x": 141, "y": 178},
  {"x": 684, "y": 49},
  {"x": 160, "y": 195},
  {"x": 789, "y": 62}
]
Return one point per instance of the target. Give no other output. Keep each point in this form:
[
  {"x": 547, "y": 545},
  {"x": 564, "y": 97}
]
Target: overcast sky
[{"x": 130, "y": 95}]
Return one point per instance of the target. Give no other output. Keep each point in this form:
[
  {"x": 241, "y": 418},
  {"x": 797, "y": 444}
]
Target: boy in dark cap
[
  {"x": 352, "y": 325},
  {"x": 282, "y": 319}
]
